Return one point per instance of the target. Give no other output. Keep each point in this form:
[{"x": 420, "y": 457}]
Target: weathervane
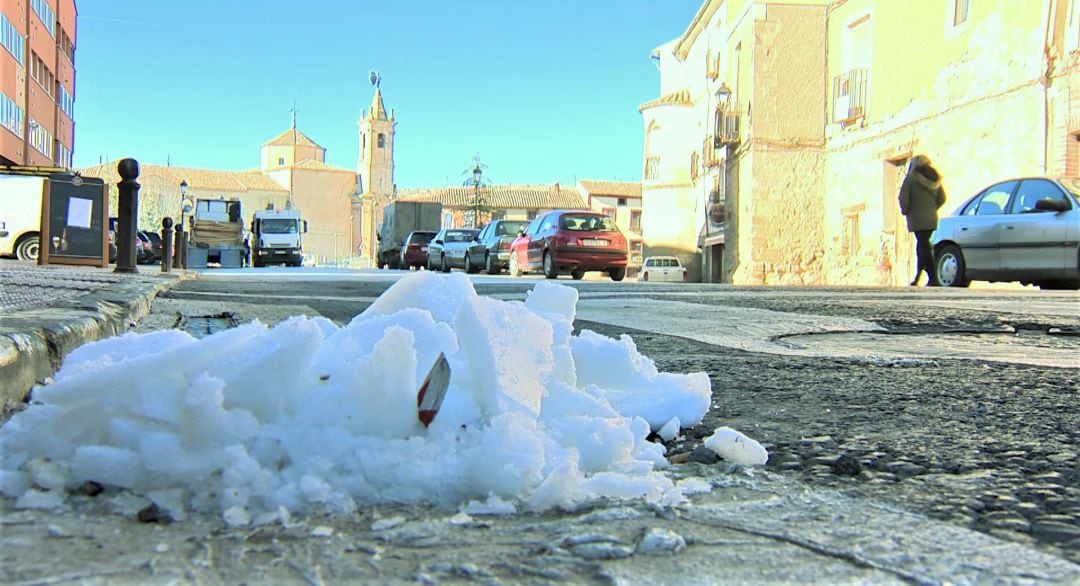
[{"x": 375, "y": 77}]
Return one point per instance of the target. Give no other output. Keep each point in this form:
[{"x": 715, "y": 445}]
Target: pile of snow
[{"x": 259, "y": 423}]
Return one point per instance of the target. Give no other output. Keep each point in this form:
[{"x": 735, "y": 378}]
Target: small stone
[
  {"x": 152, "y": 514},
  {"x": 58, "y": 532},
  {"x": 1056, "y": 531},
  {"x": 660, "y": 542},
  {"x": 703, "y": 455},
  {"x": 91, "y": 488},
  {"x": 846, "y": 465},
  {"x": 322, "y": 531}
]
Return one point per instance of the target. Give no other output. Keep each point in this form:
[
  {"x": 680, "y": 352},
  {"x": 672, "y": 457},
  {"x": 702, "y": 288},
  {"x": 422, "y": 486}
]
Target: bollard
[
  {"x": 166, "y": 244},
  {"x": 127, "y": 215},
  {"x": 180, "y": 261}
]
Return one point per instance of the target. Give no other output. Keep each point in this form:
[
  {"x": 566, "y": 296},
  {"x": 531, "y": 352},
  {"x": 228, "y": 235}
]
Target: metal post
[
  {"x": 127, "y": 215},
  {"x": 180, "y": 262},
  {"x": 166, "y": 244}
]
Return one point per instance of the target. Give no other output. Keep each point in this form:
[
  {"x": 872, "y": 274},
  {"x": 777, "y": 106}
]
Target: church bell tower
[{"x": 375, "y": 171}]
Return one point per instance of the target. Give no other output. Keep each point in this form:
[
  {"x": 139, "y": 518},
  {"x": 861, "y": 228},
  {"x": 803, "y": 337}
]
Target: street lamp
[
  {"x": 477, "y": 174},
  {"x": 181, "y": 250},
  {"x": 723, "y": 94}
]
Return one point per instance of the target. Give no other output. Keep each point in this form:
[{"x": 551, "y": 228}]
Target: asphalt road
[{"x": 958, "y": 404}]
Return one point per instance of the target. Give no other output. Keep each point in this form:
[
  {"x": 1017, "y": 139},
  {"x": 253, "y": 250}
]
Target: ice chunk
[{"x": 737, "y": 448}]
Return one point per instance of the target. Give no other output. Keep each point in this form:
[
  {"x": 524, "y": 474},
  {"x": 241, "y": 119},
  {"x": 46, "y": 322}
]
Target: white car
[
  {"x": 1024, "y": 229},
  {"x": 662, "y": 268}
]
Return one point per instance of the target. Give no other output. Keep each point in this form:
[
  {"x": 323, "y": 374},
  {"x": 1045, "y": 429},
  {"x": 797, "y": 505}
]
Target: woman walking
[{"x": 921, "y": 196}]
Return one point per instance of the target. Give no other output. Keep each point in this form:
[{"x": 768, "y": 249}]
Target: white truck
[
  {"x": 20, "y": 216},
  {"x": 277, "y": 237}
]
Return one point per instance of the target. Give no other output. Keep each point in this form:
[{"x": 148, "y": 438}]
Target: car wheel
[
  {"x": 469, "y": 268},
  {"x": 490, "y": 266},
  {"x": 28, "y": 249},
  {"x": 515, "y": 270},
  {"x": 950, "y": 268},
  {"x": 617, "y": 274},
  {"x": 445, "y": 267},
  {"x": 577, "y": 274},
  {"x": 550, "y": 270}
]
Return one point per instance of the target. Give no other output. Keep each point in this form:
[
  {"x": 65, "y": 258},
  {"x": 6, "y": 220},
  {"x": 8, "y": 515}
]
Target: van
[{"x": 20, "y": 216}]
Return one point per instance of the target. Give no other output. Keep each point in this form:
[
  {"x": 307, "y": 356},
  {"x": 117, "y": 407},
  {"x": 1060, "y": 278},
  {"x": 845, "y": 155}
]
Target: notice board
[{"x": 74, "y": 221}]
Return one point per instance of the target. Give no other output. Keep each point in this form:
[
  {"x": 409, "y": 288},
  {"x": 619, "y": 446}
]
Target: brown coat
[{"x": 921, "y": 195}]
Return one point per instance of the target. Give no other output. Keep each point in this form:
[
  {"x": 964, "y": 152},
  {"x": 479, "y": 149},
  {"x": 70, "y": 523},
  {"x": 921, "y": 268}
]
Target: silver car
[{"x": 1025, "y": 230}]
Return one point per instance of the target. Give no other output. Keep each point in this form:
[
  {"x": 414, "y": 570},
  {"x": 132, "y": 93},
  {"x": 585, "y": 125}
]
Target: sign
[
  {"x": 74, "y": 221},
  {"x": 430, "y": 396}
]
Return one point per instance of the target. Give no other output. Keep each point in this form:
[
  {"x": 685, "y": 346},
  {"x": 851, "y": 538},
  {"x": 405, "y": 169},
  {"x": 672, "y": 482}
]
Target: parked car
[
  {"x": 662, "y": 268},
  {"x": 570, "y": 240},
  {"x": 146, "y": 252},
  {"x": 155, "y": 243},
  {"x": 447, "y": 249},
  {"x": 414, "y": 249},
  {"x": 1023, "y": 230},
  {"x": 491, "y": 251},
  {"x": 113, "y": 250}
]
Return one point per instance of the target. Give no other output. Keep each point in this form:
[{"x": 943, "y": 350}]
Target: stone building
[
  {"x": 509, "y": 202},
  {"x": 621, "y": 200},
  {"x": 776, "y": 149}
]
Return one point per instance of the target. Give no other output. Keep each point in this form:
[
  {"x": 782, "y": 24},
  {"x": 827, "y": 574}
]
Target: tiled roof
[
  {"x": 292, "y": 137},
  {"x": 199, "y": 179},
  {"x": 319, "y": 165},
  {"x": 679, "y": 98},
  {"x": 616, "y": 188},
  {"x": 539, "y": 197}
]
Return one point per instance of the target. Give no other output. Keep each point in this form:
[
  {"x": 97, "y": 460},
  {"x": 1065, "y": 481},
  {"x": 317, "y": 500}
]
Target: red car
[
  {"x": 414, "y": 250},
  {"x": 570, "y": 240}
]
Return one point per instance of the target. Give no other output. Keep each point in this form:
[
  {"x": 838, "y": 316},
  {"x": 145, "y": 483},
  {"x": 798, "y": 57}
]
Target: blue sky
[{"x": 545, "y": 91}]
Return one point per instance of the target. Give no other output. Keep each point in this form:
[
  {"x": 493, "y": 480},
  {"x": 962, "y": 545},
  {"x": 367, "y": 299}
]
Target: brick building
[
  {"x": 777, "y": 146},
  {"x": 37, "y": 82}
]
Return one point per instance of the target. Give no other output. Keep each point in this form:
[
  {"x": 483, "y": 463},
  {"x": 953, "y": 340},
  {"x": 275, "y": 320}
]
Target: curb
[{"x": 33, "y": 343}]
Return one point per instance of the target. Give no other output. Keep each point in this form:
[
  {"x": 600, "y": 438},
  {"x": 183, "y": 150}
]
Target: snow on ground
[{"x": 259, "y": 423}]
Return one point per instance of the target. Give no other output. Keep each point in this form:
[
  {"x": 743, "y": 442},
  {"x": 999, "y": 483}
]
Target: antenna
[{"x": 294, "y": 111}]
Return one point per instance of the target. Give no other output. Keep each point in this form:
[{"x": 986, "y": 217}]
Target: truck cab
[{"x": 277, "y": 238}]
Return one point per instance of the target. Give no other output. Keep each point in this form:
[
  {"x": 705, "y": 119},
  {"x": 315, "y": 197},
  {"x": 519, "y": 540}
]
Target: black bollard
[
  {"x": 166, "y": 244},
  {"x": 127, "y": 215},
  {"x": 181, "y": 262}
]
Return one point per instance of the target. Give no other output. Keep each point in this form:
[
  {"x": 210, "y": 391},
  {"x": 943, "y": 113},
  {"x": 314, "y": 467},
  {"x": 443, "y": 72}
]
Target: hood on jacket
[{"x": 921, "y": 170}]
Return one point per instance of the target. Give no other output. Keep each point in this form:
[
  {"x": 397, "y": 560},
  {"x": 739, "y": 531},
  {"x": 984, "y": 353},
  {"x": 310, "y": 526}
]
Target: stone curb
[{"x": 34, "y": 342}]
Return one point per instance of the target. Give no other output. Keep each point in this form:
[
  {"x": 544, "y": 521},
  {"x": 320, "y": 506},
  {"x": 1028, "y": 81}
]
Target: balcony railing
[
  {"x": 709, "y": 156},
  {"x": 726, "y": 128},
  {"x": 849, "y": 96}
]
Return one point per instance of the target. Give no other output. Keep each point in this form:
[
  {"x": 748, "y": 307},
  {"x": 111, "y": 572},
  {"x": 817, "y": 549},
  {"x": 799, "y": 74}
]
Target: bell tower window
[{"x": 382, "y": 140}]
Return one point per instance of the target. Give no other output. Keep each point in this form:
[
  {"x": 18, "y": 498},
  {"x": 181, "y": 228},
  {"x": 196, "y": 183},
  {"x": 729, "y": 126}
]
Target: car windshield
[
  {"x": 278, "y": 226},
  {"x": 421, "y": 237},
  {"x": 460, "y": 235},
  {"x": 586, "y": 223},
  {"x": 509, "y": 228}
]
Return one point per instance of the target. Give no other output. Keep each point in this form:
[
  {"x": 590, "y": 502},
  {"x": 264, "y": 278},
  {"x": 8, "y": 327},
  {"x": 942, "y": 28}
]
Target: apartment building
[
  {"x": 37, "y": 82},
  {"x": 776, "y": 149}
]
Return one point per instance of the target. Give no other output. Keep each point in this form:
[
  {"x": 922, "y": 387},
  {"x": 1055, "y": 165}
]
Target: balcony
[
  {"x": 849, "y": 96},
  {"x": 709, "y": 156},
  {"x": 726, "y": 129}
]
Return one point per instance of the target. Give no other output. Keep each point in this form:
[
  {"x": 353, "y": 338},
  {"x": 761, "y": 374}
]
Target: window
[
  {"x": 1031, "y": 191},
  {"x": 41, "y": 74},
  {"x": 41, "y": 139},
  {"x": 621, "y": 202},
  {"x": 635, "y": 221},
  {"x": 12, "y": 40},
  {"x": 67, "y": 47},
  {"x": 382, "y": 140},
  {"x": 960, "y": 12},
  {"x": 609, "y": 212},
  {"x": 11, "y": 115},
  {"x": 63, "y": 155},
  {"x": 992, "y": 201},
  {"x": 693, "y": 165},
  {"x": 45, "y": 13},
  {"x": 850, "y": 234},
  {"x": 66, "y": 102},
  {"x": 281, "y": 161},
  {"x": 447, "y": 219},
  {"x": 531, "y": 214}
]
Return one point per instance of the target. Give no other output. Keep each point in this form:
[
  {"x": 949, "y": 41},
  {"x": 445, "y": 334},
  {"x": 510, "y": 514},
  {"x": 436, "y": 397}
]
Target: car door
[
  {"x": 1032, "y": 239},
  {"x": 435, "y": 248},
  {"x": 538, "y": 242},
  {"x": 478, "y": 247},
  {"x": 979, "y": 229}
]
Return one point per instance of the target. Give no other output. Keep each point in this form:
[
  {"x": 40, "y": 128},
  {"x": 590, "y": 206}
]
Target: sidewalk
[{"x": 47, "y": 311}]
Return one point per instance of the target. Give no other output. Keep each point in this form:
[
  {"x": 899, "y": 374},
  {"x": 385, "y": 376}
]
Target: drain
[{"x": 202, "y": 326}]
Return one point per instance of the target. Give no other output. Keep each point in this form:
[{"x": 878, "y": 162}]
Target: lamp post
[
  {"x": 477, "y": 174},
  {"x": 181, "y": 240}
]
